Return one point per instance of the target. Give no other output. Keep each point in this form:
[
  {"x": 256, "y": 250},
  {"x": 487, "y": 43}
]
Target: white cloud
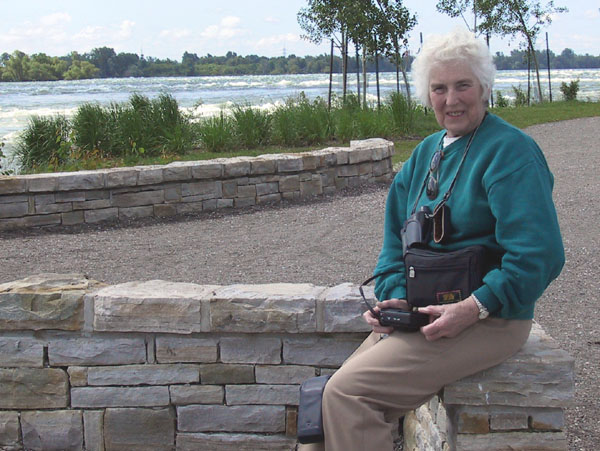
[
  {"x": 55, "y": 19},
  {"x": 271, "y": 19},
  {"x": 278, "y": 39},
  {"x": 592, "y": 13},
  {"x": 226, "y": 29},
  {"x": 126, "y": 29},
  {"x": 175, "y": 34}
]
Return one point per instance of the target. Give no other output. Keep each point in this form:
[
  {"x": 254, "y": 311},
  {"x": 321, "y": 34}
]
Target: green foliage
[
  {"x": 301, "y": 122},
  {"x": 403, "y": 112},
  {"x": 521, "y": 98},
  {"x": 6, "y": 171},
  {"x": 569, "y": 91},
  {"x": 216, "y": 133},
  {"x": 252, "y": 126},
  {"x": 45, "y": 142},
  {"x": 91, "y": 127},
  {"x": 501, "y": 101}
]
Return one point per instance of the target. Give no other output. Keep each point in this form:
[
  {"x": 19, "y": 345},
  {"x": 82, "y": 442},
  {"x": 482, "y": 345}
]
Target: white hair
[{"x": 458, "y": 46}]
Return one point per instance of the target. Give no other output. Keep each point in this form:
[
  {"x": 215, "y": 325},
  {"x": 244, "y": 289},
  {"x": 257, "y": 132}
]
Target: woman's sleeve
[
  {"x": 527, "y": 230},
  {"x": 392, "y": 283}
]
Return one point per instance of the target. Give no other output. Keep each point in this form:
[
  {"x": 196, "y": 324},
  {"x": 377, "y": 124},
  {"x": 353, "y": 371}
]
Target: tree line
[{"x": 105, "y": 63}]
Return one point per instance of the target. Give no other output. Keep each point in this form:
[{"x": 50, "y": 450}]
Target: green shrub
[
  {"x": 501, "y": 101},
  {"x": 45, "y": 142},
  {"x": 91, "y": 128},
  {"x": 402, "y": 112},
  {"x": 521, "y": 98},
  {"x": 252, "y": 126},
  {"x": 216, "y": 133},
  {"x": 301, "y": 122},
  {"x": 569, "y": 91}
]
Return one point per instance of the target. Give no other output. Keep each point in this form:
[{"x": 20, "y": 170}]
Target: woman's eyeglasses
[{"x": 433, "y": 182}]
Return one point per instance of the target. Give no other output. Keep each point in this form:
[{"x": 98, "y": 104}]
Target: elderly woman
[{"x": 502, "y": 199}]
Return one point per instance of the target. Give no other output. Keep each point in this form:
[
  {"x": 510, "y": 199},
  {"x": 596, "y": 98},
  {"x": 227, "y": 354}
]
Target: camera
[
  {"x": 403, "y": 320},
  {"x": 416, "y": 229}
]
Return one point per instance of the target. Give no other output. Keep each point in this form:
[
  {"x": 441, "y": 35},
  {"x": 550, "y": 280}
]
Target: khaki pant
[{"x": 385, "y": 378}]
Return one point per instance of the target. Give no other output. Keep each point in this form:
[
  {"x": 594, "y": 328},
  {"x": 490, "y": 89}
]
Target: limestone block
[
  {"x": 263, "y": 189},
  {"x": 163, "y": 211},
  {"x": 81, "y": 180},
  {"x": 72, "y": 217},
  {"x": 94, "y": 204},
  {"x": 262, "y": 394},
  {"x": 347, "y": 171},
  {"x": 246, "y": 191},
  {"x": 291, "y": 421},
  {"x": 342, "y": 156},
  {"x": 93, "y": 397},
  {"x": 310, "y": 162},
  {"x": 289, "y": 163},
  {"x": 150, "y": 175},
  {"x": 473, "y": 421},
  {"x": 251, "y": 349},
  {"x": 202, "y": 190},
  {"x": 283, "y": 374},
  {"x": 343, "y": 307},
  {"x": 14, "y": 210},
  {"x": 264, "y": 308},
  {"x": 261, "y": 165},
  {"x": 105, "y": 214},
  {"x": 224, "y": 203},
  {"x": 172, "y": 193},
  {"x": 231, "y": 418},
  {"x": 143, "y": 375},
  {"x": 359, "y": 154},
  {"x": 237, "y": 167},
  {"x": 139, "y": 429},
  {"x": 547, "y": 419},
  {"x": 93, "y": 429},
  {"x": 45, "y": 301},
  {"x": 138, "y": 199},
  {"x": 135, "y": 212},
  {"x": 242, "y": 202},
  {"x": 52, "y": 430},
  {"x": 196, "y": 394},
  {"x": 234, "y": 442},
  {"x": 173, "y": 349},
  {"x": 319, "y": 351},
  {"x": 21, "y": 352},
  {"x": 96, "y": 351},
  {"x": 70, "y": 196},
  {"x": 220, "y": 373},
  {"x": 207, "y": 170},
  {"x": 9, "y": 430},
  {"x": 176, "y": 171},
  {"x": 118, "y": 177},
  {"x": 29, "y": 388},
  {"x": 541, "y": 376},
  {"x": 289, "y": 183},
  {"x": 519, "y": 441},
  {"x": 10, "y": 184},
  {"x": 77, "y": 376},
  {"x": 509, "y": 421},
  {"x": 268, "y": 199},
  {"x": 313, "y": 187},
  {"x": 152, "y": 306}
]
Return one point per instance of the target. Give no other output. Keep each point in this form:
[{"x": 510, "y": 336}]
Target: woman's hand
[
  {"x": 374, "y": 322},
  {"x": 449, "y": 320}
]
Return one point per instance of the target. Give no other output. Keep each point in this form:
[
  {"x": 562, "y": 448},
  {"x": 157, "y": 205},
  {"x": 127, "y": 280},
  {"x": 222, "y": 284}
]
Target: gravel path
[{"x": 336, "y": 239}]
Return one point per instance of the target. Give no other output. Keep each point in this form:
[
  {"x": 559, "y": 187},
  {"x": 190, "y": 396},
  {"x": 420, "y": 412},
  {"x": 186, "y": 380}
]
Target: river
[{"x": 207, "y": 95}]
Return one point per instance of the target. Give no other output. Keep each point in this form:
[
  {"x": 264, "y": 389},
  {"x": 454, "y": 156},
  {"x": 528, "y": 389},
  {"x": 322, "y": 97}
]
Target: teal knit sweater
[{"x": 502, "y": 200}]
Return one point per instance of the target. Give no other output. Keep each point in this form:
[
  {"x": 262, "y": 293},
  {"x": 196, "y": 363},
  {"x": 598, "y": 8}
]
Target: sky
[{"x": 166, "y": 29}]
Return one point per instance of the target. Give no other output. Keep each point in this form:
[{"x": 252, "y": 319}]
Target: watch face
[{"x": 483, "y": 314}]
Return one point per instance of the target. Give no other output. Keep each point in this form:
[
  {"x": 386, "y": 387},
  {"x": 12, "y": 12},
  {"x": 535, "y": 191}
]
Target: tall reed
[{"x": 45, "y": 142}]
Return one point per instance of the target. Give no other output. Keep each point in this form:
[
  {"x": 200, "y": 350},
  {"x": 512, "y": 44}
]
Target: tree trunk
[
  {"x": 365, "y": 81},
  {"x": 377, "y": 76},
  {"x": 357, "y": 76},
  {"x": 330, "y": 77}
]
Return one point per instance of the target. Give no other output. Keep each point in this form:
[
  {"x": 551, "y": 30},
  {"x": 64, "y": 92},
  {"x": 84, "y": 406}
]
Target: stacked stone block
[
  {"x": 175, "y": 366},
  {"x": 189, "y": 187}
]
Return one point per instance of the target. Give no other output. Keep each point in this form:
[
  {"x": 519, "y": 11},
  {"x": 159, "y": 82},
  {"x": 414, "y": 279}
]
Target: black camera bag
[
  {"x": 435, "y": 277},
  {"x": 310, "y": 417}
]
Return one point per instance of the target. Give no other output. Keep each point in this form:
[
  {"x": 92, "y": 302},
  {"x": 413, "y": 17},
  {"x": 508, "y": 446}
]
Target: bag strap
[
  {"x": 449, "y": 192},
  {"x": 362, "y": 293}
]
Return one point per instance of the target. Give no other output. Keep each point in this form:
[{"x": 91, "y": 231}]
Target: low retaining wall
[
  {"x": 187, "y": 187},
  {"x": 163, "y": 366}
]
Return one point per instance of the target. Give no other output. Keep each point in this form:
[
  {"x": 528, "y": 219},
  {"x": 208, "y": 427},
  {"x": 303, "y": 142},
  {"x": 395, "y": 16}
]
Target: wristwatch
[{"x": 483, "y": 312}]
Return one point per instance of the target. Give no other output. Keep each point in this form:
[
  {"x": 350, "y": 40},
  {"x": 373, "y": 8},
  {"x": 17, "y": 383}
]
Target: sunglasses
[{"x": 433, "y": 181}]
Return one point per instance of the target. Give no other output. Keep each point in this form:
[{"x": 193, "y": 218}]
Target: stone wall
[
  {"x": 162, "y": 366},
  {"x": 188, "y": 187}
]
